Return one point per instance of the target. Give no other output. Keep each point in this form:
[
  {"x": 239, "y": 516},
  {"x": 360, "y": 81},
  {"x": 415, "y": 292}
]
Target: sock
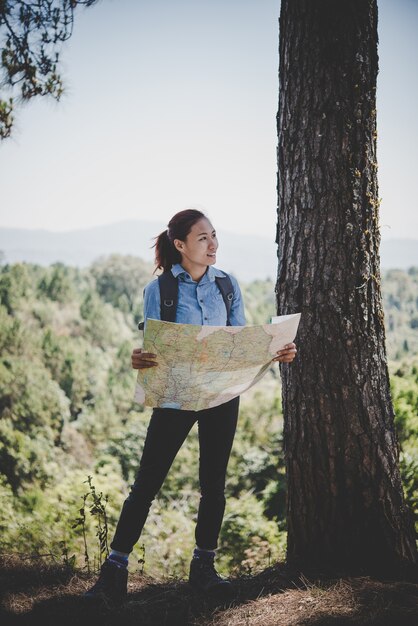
[
  {"x": 200, "y": 553},
  {"x": 120, "y": 559}
]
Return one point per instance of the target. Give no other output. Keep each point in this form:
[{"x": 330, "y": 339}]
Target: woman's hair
[{"x": 180, "y": 225}]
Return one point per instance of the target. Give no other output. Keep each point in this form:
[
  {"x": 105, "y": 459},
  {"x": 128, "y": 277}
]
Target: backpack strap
[
  {"x": 169, "y": 291},
  {"x": 225, "y": 287}
]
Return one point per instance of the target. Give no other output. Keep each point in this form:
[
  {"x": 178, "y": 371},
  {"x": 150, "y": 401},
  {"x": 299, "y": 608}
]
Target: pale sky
[{"x": 172, "y": 103}]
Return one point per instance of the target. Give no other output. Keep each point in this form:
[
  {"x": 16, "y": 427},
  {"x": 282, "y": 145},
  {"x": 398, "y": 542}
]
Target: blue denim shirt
[{"x": 198, "y": 302}]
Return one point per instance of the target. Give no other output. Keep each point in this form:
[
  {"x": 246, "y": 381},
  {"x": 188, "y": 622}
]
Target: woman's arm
[
  {"x": 152, "y": 301},
  {"x": 139, "y": 358}
]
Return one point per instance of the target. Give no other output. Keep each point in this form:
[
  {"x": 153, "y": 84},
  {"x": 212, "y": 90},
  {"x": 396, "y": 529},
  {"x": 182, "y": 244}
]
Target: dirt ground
[{"x": 37, "y": 593}]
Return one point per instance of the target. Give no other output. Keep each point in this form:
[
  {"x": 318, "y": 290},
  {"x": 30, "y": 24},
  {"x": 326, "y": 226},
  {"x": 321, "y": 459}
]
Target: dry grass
[
  {"x": 37, "y": 592},
  {"x": 356, "y": 601}
]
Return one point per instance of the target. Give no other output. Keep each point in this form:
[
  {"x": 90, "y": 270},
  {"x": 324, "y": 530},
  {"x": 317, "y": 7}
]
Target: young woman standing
[{"x": 187, "y": 249}]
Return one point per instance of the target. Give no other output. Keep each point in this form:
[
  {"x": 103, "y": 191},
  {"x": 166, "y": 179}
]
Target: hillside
[
  {"x": 249, "y": 257},
  {"x": 67, "y": 414}
]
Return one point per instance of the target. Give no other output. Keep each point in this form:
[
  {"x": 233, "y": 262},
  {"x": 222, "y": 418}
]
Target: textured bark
[{"x": 346, "y": 511}]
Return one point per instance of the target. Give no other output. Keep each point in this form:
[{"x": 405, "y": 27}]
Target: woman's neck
[{"x": 195, "y": 271}]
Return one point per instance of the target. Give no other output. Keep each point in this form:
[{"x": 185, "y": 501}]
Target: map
[{"x": 203, "y": 366}]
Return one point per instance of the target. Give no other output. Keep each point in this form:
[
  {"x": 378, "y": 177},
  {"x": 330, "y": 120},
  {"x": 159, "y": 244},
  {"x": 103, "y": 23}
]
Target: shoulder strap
[
  {"x": 225, "y": 287},
  {"x": 168, "y": 285},
  {"x": 169, "y": 289}
]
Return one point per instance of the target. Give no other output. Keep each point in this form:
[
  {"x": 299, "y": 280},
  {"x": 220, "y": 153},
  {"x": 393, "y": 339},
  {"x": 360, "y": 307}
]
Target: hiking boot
[
  {"x": 204, "y": 577},
  {"x": 111, "y": 585}
]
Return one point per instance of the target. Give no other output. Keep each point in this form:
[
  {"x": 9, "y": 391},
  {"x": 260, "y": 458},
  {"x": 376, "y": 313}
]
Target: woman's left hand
[{"x": 287, "y": 354}]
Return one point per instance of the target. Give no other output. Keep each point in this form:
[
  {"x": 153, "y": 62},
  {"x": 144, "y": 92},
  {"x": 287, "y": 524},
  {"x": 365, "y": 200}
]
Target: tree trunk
[{"x": 346, "y": 511}]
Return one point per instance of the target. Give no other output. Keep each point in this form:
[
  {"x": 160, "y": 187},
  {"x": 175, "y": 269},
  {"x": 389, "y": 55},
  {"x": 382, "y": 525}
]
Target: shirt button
[
  {"x": 201, "y": 301},
  {"x": 206, "y": 318}
]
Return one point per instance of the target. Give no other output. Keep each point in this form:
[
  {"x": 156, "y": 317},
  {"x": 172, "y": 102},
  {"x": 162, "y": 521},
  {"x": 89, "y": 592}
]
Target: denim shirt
[{"x": 198, "y": 302}]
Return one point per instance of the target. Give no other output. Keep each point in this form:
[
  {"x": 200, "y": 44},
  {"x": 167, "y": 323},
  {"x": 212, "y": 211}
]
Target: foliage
[
  {"x": 57, "y": 283},
  {"x": 409, "y": 473},
  {"x": 120, "y": 281},
  {"x": 126, "y": 443},
  {"x": 259, "y": 302},
  {"x": 14, "y": 285},
  {"x": 400, "y": 302},
  {"x": 66, "y": 388},
  {"x": 248, "y": 540},
  {"x": 168, "y": 540},
  {"x": 31, "y": 34},
  {"x": 96, "y": 504},
  {"x": 31, "y": 422},
  {"x": 404, "y": 389}
]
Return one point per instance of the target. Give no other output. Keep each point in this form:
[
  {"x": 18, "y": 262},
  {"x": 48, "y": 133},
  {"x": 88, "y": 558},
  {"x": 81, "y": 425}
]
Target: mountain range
[{"x": 248, "y": 257}]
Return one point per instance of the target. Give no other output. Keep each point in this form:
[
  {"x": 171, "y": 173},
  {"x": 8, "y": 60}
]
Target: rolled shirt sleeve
[
  {"x": 152, "y": 301},
  {"x": 237, "y": 314}
]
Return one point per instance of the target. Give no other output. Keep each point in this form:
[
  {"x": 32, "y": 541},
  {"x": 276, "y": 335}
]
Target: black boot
[
  {"x": 111, "y": 585},
  {"x": 204, "y": 577}
]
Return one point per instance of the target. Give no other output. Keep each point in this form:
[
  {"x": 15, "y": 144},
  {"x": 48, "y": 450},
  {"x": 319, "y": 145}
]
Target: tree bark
[{"x": 346, "y": 511}]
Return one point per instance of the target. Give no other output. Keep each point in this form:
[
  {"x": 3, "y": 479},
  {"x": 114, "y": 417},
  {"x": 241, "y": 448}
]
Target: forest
[{"x": 71, "y": 434}]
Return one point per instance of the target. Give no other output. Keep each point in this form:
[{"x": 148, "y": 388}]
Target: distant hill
[{"x": 246, "y": 256}]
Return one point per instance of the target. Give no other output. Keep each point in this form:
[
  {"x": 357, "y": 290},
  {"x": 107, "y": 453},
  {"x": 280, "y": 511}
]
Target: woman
[{"x": 187, "y": 249}]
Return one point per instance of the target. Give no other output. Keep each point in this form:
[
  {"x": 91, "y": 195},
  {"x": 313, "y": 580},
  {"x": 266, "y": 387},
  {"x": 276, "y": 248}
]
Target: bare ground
[{"x": 36, "y": 592}]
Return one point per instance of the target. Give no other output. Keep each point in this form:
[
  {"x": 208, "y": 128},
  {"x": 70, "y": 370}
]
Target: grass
[{"x": 38, "y": 591}]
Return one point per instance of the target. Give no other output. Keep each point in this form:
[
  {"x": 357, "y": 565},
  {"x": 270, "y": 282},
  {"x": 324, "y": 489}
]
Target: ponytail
[
  {"x": 166, "y": 255},
  {"x": 180, "y": 225}
]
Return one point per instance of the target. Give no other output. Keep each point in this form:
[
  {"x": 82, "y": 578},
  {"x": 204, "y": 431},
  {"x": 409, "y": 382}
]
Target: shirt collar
[{"x": 211, "y": 273}]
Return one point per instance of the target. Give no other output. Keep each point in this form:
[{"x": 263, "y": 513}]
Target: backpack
[{"x": 169, "y": 289}]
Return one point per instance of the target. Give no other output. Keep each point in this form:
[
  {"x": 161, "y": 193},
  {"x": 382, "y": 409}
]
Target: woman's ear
[{"x": 178, "y": 244}]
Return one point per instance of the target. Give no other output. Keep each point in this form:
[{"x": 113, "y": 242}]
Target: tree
[
  {"x": 57, "y": 283},
  {"x": 30, "y": 37},
  {"x": 120, "y": 281},
  {"x": 346, "y": 511}
]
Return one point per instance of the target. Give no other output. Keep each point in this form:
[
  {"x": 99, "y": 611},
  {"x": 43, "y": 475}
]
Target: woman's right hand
[{"x": 141, "y": 360}]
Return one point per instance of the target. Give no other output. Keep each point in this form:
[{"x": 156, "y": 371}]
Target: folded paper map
[{"x": 203, "y": 366}]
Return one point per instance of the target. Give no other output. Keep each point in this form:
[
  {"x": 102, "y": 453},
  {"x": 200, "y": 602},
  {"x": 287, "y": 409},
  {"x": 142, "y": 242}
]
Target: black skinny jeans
[{"x": 167, "y": 430}]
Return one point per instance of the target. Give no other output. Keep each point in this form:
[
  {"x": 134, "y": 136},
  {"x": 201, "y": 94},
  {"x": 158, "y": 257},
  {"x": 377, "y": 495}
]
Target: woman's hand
[
  {"x": 141, "y": 360},
  {"x": 287, "y": 354}
]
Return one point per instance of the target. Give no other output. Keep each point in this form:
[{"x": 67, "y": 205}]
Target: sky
[{"x": 172, "y": 104}]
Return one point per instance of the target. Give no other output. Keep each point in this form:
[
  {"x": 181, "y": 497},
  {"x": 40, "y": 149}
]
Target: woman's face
[{"x": 199, "y": 248}]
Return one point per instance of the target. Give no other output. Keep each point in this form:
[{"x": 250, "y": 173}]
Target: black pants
[{"x": 167, "y": 430}]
